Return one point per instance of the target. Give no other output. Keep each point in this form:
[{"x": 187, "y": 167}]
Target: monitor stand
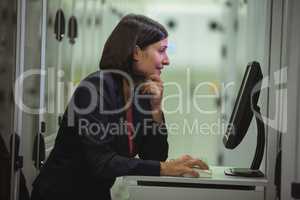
[{"x": 259, "y": 152}]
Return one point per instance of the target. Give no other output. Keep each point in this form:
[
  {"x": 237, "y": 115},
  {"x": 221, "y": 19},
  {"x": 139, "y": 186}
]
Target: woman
[{"x": 114, "y": 115}]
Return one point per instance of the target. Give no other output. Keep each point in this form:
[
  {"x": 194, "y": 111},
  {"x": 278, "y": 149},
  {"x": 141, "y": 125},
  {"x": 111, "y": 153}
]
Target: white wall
[{"x": 192, "y": 43}]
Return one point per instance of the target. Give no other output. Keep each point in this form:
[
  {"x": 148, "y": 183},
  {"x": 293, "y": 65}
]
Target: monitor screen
[{"x": 246, "y": 100}]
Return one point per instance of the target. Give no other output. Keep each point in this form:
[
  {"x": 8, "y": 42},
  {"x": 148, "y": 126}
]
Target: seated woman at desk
[{"x": 90, "y": 150}]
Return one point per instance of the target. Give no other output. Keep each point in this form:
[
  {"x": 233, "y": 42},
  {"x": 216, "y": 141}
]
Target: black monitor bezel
[{"x": 246, "y": 100}]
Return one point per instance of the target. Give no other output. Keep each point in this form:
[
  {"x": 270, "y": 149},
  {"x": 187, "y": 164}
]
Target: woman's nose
[{"x": 166, "y": 61}]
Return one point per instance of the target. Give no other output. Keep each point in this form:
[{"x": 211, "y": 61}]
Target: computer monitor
[{"x": 241, "y": 116}]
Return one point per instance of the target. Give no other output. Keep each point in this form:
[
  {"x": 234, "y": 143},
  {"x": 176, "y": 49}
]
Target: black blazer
[{"x": 90, "y": 151}]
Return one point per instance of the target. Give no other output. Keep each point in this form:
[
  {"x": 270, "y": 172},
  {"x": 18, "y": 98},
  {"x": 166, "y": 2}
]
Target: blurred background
[{"x": 210, "y": 44}]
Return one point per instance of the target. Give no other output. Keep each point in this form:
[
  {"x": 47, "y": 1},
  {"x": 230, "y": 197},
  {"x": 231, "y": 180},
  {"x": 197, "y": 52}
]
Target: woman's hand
[
  {"x": 181, "y": 166},
  {"x": 154, "y": 87}
]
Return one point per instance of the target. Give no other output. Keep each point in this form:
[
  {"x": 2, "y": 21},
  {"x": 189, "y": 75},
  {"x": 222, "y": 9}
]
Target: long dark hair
[{"x": 133, "y": 30}]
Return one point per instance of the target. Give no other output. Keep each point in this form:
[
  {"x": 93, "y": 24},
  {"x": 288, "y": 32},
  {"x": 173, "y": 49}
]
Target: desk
[{"x": 219, "y": 186}]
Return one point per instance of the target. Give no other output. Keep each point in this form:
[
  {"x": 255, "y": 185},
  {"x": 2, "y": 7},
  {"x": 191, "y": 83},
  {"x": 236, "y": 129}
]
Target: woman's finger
[
  {"x": 155, "y": 78},
  {"x": 190, "y": 172},
  {"x": 152, "y": 83},
  {"x": 185, "y": 158},
  {"x": 197, "y": 164},
  {"x": 152, "y": 89}
]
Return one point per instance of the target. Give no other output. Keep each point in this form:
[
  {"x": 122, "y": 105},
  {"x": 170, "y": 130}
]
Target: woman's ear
[{"x": 137, "y": 53}]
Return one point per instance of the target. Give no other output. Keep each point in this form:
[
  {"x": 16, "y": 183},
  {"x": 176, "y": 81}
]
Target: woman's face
[{"x": 152, "y": 59}]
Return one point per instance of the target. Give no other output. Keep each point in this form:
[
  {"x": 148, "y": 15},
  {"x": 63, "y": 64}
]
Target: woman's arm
[
  {"x": 97, "y": 137},
  {"x": 154, "y": 144}
]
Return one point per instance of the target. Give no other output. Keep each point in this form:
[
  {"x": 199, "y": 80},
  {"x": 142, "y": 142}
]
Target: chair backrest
[{"x": 5, "y": 171}]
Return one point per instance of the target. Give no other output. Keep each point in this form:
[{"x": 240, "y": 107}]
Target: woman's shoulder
[
  {"x": 101, "y": 82},
  {"x": 102, "y": 77}
]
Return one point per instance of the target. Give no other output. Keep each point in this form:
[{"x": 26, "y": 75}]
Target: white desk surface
[{"x": 218, "y": 177}]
